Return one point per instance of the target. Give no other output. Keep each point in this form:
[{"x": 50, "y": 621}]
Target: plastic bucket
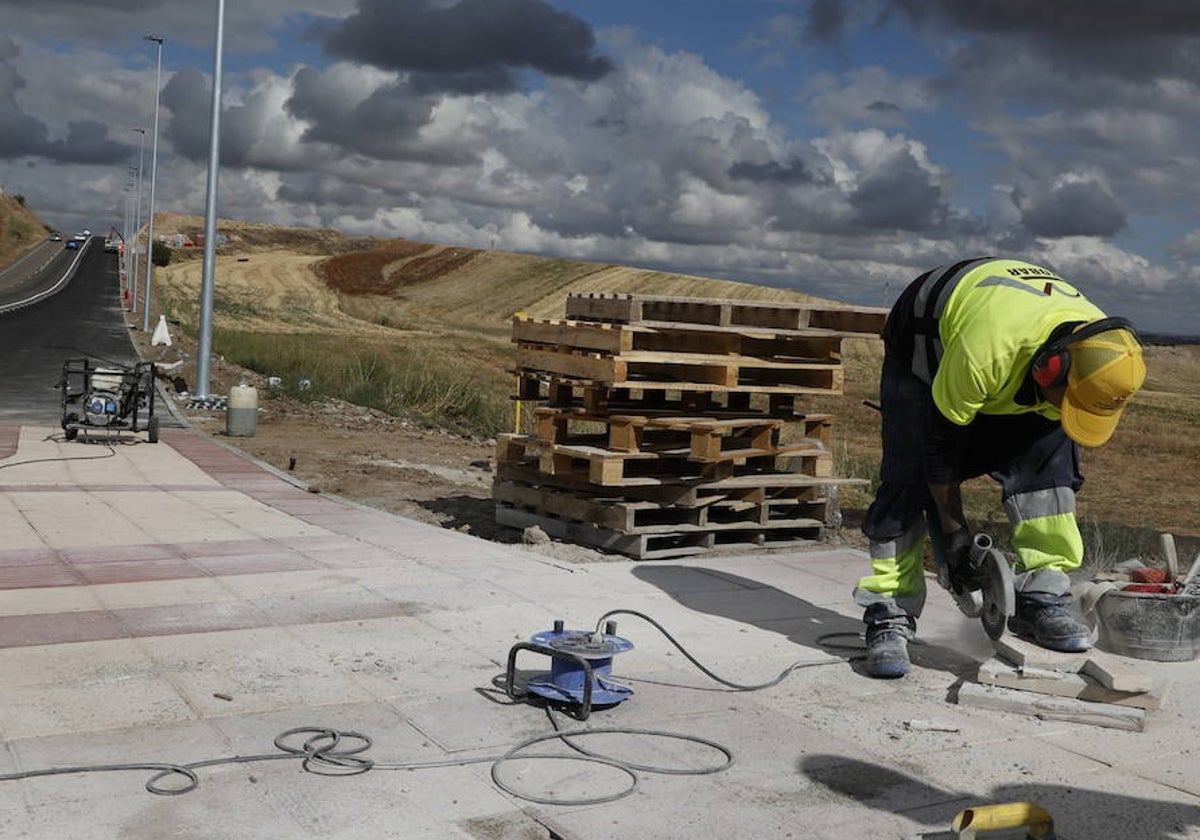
[
  {"x": 241, "y": 411},
  {"x": 1147, "y": 625}
]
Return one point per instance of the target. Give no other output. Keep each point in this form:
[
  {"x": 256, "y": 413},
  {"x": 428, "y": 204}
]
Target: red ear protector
[
  {"x": 1053, "y": 361},
  {"x": 1051, "y": 371}
]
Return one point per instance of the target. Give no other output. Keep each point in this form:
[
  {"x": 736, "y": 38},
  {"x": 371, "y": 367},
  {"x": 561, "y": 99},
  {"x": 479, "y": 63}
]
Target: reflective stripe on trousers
[
  {"x": 1045, "y": 531},
  {"x": 898, "y": 568}
]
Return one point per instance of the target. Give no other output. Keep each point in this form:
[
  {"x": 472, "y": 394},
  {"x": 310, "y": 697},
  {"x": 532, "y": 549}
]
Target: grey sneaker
[{"x": 1046, "y": 620}]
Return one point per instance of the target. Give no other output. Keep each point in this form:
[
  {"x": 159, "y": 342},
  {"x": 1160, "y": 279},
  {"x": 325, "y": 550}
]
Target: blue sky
[{"x": 834, "y": 146}]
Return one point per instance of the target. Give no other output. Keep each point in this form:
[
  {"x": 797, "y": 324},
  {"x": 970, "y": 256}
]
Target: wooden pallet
[
  {"x": 687, "y": 371},
  {"x": 678, "y": 541},
  {"x": 619, "y": 339},
  {"x": 607, "y": 467},
  {"x": 652, "y": 310},
  {"x": 631, "y": 517},
  {"x": 676, "y": 398},
  {"x": 708, "y": 439},
  {"x": 681, "y": 491}
]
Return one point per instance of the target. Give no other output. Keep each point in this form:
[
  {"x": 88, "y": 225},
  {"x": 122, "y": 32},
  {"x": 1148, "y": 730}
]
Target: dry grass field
[
  {"x": 20, "y": 229},
  {"x": 415, "y": 318}
]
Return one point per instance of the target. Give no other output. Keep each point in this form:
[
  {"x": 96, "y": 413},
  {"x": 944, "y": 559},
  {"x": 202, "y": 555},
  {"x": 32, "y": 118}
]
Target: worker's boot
[
  {"x": 1043, "y": 612},
  {"x": 888, "y": 633}
]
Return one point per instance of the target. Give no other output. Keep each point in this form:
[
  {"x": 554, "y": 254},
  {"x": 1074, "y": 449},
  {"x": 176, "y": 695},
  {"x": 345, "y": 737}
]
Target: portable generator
[{"x": 109, "y": 398}]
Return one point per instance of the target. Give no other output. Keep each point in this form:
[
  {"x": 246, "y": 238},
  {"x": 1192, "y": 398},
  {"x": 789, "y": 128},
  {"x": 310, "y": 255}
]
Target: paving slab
[{"x": 180, "y": 602}]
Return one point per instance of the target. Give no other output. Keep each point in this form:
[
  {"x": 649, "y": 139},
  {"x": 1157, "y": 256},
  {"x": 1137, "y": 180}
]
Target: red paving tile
[
  {"x": 136, "y": 571},
  {"x": 28, "y": 556},
  {"x": 10, "y": 436},
  {"x": 35, "y": 577},
  {"x": 117, "y": 553},
  {"x": 59, "y": 628}
]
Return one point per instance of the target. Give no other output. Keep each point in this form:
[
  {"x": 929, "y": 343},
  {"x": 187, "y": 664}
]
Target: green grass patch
[{"x": 458, "y": 391}]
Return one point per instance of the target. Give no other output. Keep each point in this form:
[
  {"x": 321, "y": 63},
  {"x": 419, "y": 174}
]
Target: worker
[{"x": 998, "y": 367}]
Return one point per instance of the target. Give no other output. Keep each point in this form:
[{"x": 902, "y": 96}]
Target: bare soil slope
[{"x": 20, "y": 229}]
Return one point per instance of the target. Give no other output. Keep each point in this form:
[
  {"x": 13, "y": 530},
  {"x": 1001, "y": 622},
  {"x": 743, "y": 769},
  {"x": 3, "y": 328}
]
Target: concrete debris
[
  {"x": 534, "y": 535},
  {"x": 1092, "y": 687}
]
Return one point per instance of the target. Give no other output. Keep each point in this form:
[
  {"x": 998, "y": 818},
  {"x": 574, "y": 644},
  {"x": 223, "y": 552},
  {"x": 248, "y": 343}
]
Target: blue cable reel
[{"x": 580, "y": 669}]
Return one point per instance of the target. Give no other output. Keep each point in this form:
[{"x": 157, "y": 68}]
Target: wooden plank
[
  {"x": 637, "y": 546},
  {"x": 818, "y": 345},
  {"x": 610, "y": 467},
  {"x": 701, "y": 439},
  {"x": 659, "y": 397},
  {"x": 996, "y": 671},
  {"x": 641, "y": 309},
  {"x": 665, "y": 487},
  {"x": 1048, "y": 707},
  {"x": 585, "y": 335},
  {"x": 648, "y": 545},
  {"x": 633, "y": 516}
]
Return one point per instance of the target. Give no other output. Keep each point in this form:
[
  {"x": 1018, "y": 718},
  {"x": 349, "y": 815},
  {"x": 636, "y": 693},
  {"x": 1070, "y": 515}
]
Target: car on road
[
  {"x": 72, "y": 244},
  {"x": 56, "y": 237}
]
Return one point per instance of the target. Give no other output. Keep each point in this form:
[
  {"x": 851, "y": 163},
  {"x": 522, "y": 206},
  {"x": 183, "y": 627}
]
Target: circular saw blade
[{"x": 999, "y": 598}]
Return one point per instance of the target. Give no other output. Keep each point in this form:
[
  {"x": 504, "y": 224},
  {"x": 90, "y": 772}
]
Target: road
[{"x": 82, "y": 318}]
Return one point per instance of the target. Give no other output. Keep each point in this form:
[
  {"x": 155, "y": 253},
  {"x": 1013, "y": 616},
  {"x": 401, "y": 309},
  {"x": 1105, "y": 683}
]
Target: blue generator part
[{"x": 565, "y": 681}]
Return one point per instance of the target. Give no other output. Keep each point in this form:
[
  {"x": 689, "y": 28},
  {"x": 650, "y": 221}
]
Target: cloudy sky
[{"x": 838, "y": 146}]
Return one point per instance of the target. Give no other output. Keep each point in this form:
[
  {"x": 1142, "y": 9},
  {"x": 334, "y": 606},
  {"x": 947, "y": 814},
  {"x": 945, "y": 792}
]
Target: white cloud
[
  {"x": 662, "y": 161},
  {"x": 867, "y": 96}
]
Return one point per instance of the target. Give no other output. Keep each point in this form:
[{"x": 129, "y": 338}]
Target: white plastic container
[{"x": 241, "y": 411}]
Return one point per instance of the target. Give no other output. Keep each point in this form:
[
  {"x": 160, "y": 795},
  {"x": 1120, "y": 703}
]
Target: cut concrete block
[
  {"x": 1048, "y": 707},
  {"x": 1109, "y": 670},
  {"x": 1022, "y": 653},
  {"x": 1115, "y": 673},
  {"x": 996, "y": 671}
]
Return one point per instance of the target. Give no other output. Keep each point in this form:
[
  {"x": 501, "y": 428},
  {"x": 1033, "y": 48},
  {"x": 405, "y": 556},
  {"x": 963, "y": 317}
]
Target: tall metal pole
[
  {"x": 126, "y": 225},
  {"x": 137, "y": 223},
  {"x": 157, "y": 39},
  {"x": 204, "y": 345}
]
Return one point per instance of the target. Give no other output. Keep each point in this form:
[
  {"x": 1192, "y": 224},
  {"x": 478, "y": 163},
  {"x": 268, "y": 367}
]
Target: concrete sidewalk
[{"x": 177, "y": 603}]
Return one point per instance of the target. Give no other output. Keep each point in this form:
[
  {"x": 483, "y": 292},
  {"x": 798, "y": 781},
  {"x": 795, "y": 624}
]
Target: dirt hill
[
  {"x": 20, "y": 228},
  {"x": 416, "y": 282}
]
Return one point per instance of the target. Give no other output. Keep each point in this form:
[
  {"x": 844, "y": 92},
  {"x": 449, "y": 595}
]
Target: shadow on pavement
[
  {"x": 808, "y": 625},
  {"x": 880, "y": 787}
]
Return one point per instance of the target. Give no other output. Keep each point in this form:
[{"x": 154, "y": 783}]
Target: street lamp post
[
  {"x": 157, "y": 39},
  {"x": 137, "y": 221},
  {"x": 204, "y": 344},
  {"x": 126, "y": 226}
]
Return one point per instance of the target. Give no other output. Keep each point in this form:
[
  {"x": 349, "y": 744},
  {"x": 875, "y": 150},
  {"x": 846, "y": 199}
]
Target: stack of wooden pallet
[{"x": 675, "y": 426}]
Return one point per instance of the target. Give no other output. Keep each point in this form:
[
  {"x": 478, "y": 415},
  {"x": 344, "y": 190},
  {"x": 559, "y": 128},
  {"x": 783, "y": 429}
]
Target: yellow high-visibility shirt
[{"x": 995, "y": 320}]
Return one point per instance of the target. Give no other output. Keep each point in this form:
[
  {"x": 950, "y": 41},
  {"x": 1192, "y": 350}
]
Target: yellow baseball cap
[{"x": 1106, "y": 370}]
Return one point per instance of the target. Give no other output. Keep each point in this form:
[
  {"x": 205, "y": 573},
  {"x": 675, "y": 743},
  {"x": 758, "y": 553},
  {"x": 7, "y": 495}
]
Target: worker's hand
[{"x": 958, "y": 558}]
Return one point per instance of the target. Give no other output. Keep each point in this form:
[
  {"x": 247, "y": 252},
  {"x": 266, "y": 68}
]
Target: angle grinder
[
  {"x": 995, "y": 601},
  {"x": 998, "y": 592}
]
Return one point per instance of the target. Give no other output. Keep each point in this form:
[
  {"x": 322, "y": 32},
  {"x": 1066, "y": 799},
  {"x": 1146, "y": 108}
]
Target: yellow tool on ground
[{"x": 1016, "y": 821}]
